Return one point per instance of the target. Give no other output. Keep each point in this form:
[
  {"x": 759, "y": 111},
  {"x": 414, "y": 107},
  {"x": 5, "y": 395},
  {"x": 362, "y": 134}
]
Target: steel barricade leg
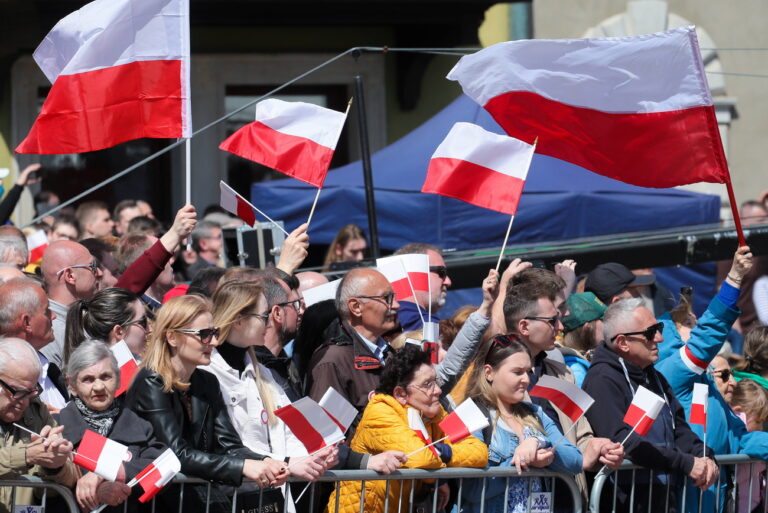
[
  {"x": 13, "y": 498},
  {"x": 362, "y": 496},
  {"x": 666, "y": 494},
  {"x": 685, "y": 492},
  {"x": 717, "y": 490},
  {"x": 615, "y": 491},
  {"x": 400, "y": 498},
  {"x": 234, "y": 499},
  {"x": 482, "y": 495},
  {"x": 181, "y": 498},
  {"x": 506, "y": 496},
  {"x": 434, "y": 496},
  {"x": 461, "y": 489},
  {"x": 529, "y": 494},
  {"x": 410, "y": 495},
  {"x": 386, "y": 495},
  {"x": 261, "y": 497},
  {"x": 311, "y": 496},
  {"x": 650, "y": 490},
  {"x": 632, "y": 492},
  {"x": 751, "y": 480},
  {"x": 338, "y": 491}
]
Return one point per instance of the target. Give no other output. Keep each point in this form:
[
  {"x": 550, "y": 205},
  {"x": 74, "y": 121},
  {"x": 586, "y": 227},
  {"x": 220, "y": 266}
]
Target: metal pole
[{"x": 365, "y": 151}]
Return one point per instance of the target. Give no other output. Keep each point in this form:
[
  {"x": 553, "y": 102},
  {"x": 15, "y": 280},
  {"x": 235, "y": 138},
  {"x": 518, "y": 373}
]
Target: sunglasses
[
  {"x": 723, "y": 374},
  {"x": 649, "y": 333},
  {"x": 93, "y": 267},
  {"x": 552, "y": 321},
  {"x": 387, "y": 298},
  {"x": 21, "y": 394},
  {"x": 143, "y": 323},
  {"x": 440, "y": 270},
  {"x": 205, "y": 334}
]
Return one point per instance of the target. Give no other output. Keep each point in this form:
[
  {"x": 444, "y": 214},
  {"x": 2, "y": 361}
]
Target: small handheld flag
[
  {"x": 643, "y": 410},
  {"x": 310, "y": 423},
  {"x": 699, "y": 405},
  {"x": 128, "y": 365},
  {"x": 568, "y": 397},
  {"x": 157, "y": 474},
  {"x": 338, "y": 408},
  {"x": 464, "y": 420},
  {"x": 100, "y": 455}
]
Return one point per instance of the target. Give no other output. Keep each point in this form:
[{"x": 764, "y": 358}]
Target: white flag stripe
[
  {"x": 690, "y": 364},
  {"x": 471, "y": 415},
  {"x": 321, "y": 292},
  {"x": 318, "y": 124},
  {"x": 574, "y": 393},
  {"x": 338, "y": 407},
  {"x": 700, "y": 394},
  {"x": 415, "y": 423},
  {"x": 501, "y": 153},
  {"x": 647, "y": 401},
  {"x": 168, "y": 465},
  {"x": 228, "y": 198},
  {"x": 37, "y": 239},
  {"x": 111, "y": 457},
  {"x": 391, "y": 268},
  {"x": 122, "y": 353},
  {"x": 86, "y": 39},
  {"x": 584, "y": 72},
  {"x": 319, "y": 420}
]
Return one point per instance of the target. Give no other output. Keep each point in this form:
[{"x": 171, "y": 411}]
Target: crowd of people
[{"x": 220, "y": 349}]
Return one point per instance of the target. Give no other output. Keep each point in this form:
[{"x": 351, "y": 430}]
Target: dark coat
[{"x": 207, "y": 446}]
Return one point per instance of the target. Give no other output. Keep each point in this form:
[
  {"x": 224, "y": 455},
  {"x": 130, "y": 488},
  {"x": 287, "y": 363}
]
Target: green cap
[{"x": 582, "y": 308}]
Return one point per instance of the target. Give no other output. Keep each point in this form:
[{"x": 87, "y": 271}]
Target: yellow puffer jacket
[{"x": 384, "y": 427}]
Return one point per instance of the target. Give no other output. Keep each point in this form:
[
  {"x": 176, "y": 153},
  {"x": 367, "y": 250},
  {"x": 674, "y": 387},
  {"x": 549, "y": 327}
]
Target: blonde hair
[
  {"x": 480, "y": 388},
  {"x": 176, "y": 314},
  {"x": 230, "y": 300},
  {"x": 399, "y": 341},
  {"x": 752, "y": 399}
]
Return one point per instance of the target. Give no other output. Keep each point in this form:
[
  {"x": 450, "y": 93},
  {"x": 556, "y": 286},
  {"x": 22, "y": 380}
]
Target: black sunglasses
[
  {"x": 552, "y": 321},
  {"x": 21, "y": 394},
  {"x": 440, "y": 270},
  {"x": 143, "y": 323},
  {"x": 387, "y": 298},
  {"x": 649, "y": 333},
  {"x": 724, "y": 374},
  {"x": 204, "y": 334}
]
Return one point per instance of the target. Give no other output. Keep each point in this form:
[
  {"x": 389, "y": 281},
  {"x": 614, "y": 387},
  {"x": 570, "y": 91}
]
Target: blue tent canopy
[{"x": 560, "y": 200}]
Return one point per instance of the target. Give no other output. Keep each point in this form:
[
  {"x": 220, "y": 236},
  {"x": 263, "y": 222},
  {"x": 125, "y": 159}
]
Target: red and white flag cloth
[
  {"x": 120, "y": 71},
  {"x": 232, "y": 202},
  {"x": 158, "y": 474},
  {"x": 636, "y": 109},
  {"x": 643, "y": 410},
  {"x": 417, "y": 424},
  {"x": 567, "y": 396},
  {"x": 310, "y": 423},
  {"x": 101, "y": 455},
  {"x": 699, "y": 405},
  {"x": 321, "y": 292},
  {"x": 480, "y": 167},
  {"x": 338, "y": 408},
  {"x": 398, "y": 269},
  {"x": 295, "y": 138},
  {"x": 37, "y": 243},
  {"x": 129, "y": 367},
  {"x": 463, "y": 421},
  {"x": 691, "y": 361}
]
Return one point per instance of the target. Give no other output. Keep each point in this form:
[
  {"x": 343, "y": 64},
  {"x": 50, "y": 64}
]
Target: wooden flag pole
[
  {"x": 422, "y": 448},
  {"x": 735, "y": 211}
]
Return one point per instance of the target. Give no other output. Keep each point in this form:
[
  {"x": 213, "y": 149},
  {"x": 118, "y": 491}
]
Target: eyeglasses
[
  {"x": 263, "y": 316},
  {"x": 142, "y": 323},
  {"x": 649, "y": 333},
  {"x": 428, "y": 387},
  {"x": 93, "y": 267},
  {"x": 21, "y": 394},
  {"x": 552, "y": 321},
  {"x": 387, "y": 298},
  {"x": 723, "y": 374},
  {"x": 296, "y": 303},
  {"x": 440, "y": 270},
  {"x": 205, "y": 334}
]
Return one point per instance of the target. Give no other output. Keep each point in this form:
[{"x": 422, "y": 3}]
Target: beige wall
[{"x": 739, "y": 24}]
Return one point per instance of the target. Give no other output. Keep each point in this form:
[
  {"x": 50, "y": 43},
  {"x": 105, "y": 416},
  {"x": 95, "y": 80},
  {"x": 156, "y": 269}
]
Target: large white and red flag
[
  {"x": 310, "y": 423},
  {"x": 463, "y": 421},
  {"x": 404, "y": 272},
  {"x": 37, "y": 244},
  {"x": 417, "y": 424},
  {"x": 157, "y": 474},
  {"x": 127, "y": 363},
  {"x": 643, "y": 410},
  {"x": 567, "y": 396},
  {"x": 100, "y": 455},
  {"x": 338, "y": 408},
  {"x": 699, "y": 405},
  {"x": 295, "y": 138},
  {"x": 480, "y": 167},
  {"x": 636, "y": 109},
  {"x": 120, "y": 71}
]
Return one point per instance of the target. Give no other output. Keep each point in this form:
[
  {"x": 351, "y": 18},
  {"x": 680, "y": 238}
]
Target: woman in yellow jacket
[{"x": 407, "y": 383}]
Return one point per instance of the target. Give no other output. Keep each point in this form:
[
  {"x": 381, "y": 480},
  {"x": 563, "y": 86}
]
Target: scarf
[{"x": 99, "y": 421}]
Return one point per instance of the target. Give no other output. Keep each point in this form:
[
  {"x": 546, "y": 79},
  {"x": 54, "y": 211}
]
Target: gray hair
[
  {"x": 618, "y": 315},
  {"x": 273, "y": 290},
  {"x": 25, "y": 298},
  {"x": 90, "y": 353},
  {"x": 351, "y": 285},
  {"x": 203, "y": 230},
  {"x": 419, "y": 248},
  {"x": 16, "y": 351},
  {"x": 10, "y": 247}
]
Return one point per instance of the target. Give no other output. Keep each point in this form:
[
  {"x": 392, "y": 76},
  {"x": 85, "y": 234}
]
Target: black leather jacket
[{"x": 208, "y": 446}]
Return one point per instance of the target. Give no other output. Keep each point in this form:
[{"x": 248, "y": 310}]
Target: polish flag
[
  {"x": 699, "y": 405},
  {"x": 636, "y": 109},
  {"x": 101, "y": 455},
  {"x": 338, "y": 408},
  {"x": 321, "y": 292},
  {"x": 643, "y": 410},
  {"x": 691, "y": 361},
  {"x": 310, "y": 423},
  {"x": 232, "y": 202},
  {"x": 398, "y": 269},
  {"x": 158, "y": 474},
  {"x": 120, "y": 71},
  {"x": 295, "y": 138},
  {"x": 480, "y": 167},
  {"x": 128, "y": 365},
  {"x": 417, "y": 424},
  {"x": 37, "y": 243},
  {"x": 568, "y": 397},
  {"x": 463, "y": 421}
]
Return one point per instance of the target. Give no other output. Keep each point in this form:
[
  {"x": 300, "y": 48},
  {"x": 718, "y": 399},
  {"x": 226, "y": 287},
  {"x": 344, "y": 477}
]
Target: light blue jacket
[
  {"x": 567, "y": 460},
  {"x": 726, "y": 433}
]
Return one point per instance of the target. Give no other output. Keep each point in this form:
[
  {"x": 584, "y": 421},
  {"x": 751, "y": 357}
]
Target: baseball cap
[
  {"x": 607, "y": 280},
  {"x": 582, "y": 308}
]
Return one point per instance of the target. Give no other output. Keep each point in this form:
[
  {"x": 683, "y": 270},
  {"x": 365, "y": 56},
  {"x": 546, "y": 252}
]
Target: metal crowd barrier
[
  {"x": 728, "y": 465},
  {"x": 64, "y": 493}
]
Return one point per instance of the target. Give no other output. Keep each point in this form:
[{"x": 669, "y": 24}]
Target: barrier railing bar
[{"x": 36, "y": 482}]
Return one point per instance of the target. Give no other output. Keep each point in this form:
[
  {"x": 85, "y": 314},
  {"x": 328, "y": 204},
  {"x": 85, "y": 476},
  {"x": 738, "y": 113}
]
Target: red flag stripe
[
  {"x": 420, "y": 281},
  {"x": 149, "y": 483},
  {"x": 89, "y": 450},
  {"x": 635, "y": 414},
  {"x": 245, "y": 212},
  {"x": 301, "y": 427},
  {"x": 454, "y": 428},
  {"x": 698, "y": 414},
  {"x": 685, "y": 140},
  {"x": 474, "y": 184},
  {"x": 559, "y": 399},
  {"x": 99, "y": 109},
  {"x": 127, "y": 372},
  {"x": 402, "y": 289}
]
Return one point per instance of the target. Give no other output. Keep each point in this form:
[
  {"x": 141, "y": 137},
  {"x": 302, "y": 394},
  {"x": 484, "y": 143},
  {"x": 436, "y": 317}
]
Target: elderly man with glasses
[{"x": 20, "y": 412}]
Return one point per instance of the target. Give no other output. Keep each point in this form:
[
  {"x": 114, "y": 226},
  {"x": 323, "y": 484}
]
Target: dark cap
[
  {"x": 608, "y": 280},
  {"x": 582, "y": 308}
]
